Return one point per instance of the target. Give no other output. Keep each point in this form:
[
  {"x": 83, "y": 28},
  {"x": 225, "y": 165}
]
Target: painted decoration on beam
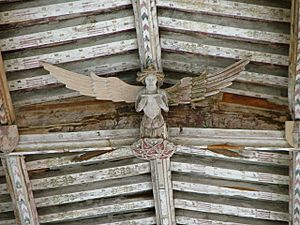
[
  {"x": 150, "y": 99},
  {"x": 296, "y": 195}
]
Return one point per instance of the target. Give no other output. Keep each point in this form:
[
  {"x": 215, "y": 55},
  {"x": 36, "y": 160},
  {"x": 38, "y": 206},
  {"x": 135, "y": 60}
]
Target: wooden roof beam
[
  {"x": 150, "y": 53},
  {"x": 293, "y": 127},
  {"x": 19, "y": 187},
  {"x": 14, "y": 166},
  {"x": 146, "y": 23},
  {"x": 7, "y": 115}
]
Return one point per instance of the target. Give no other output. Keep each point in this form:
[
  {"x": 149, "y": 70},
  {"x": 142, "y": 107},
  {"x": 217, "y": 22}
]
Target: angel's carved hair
[{"x": 141, "y": 76}]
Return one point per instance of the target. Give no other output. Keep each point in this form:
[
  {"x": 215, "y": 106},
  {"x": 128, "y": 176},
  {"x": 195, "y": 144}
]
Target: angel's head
[
  {"x": 151, "y": 72},
  {"x": 150, "y": 82}
]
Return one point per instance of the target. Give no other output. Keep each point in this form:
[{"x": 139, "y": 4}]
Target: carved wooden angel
[{"x": 150, "y": 98}]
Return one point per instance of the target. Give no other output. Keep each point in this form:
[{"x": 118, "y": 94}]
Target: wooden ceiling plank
[
  {"x": 19, "y": 187},
  {"x": 97, "y": 211},
  {"x": 216, "y": 51},
  {"x": 226, "y": 31},
  {"x": 79, "y": 196},
  {"x": 200, "y": 206},
  {"x": 6, "y": 206},
  {"x": 61, "y": 9},
  {"x": 198, "y": 221},
  {"x": 71, "y": 55},
  {"x": 62, "y": 161},
  {"x": 8, "y": 222},
  {"x": 228, "y": 192},
  {"x": 236, "y": 154},
  {"x": 90, "y": 176},
  {"x": 230, "y": 8},
  {"x": 67, "y": 34},
  {"x": 231, "y": 174}
]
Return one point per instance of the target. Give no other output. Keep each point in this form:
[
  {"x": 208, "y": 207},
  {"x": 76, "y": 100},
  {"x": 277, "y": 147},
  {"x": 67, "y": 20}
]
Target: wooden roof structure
[{"x": 66, "y": 157}]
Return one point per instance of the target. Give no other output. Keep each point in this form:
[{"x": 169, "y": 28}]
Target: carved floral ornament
[{"x": 150, "y": 98}]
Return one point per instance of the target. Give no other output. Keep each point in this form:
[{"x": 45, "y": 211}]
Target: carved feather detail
[
  {"x": 185, "y": 91},
  {"x": 110, "y": 88},
  {"x": 194, "y": 89}
]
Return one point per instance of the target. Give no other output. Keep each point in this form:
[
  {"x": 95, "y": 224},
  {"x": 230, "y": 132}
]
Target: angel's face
[{"x": 150, "y": 82}]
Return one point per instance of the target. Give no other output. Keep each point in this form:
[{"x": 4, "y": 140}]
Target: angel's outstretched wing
[
  {"x": 110, "y": 88},
  {"x": 193, "y": 89}
]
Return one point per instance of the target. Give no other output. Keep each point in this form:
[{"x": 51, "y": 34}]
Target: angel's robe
[{"x": 153, "y": 124}]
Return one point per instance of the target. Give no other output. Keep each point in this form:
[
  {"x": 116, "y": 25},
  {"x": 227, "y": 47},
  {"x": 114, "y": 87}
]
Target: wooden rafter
[
  {"x": 7, "y": 115},
  {"x": 14, "y": 166},
  {"x": 147, "y": 33},
  {"x": 146, "y": 22},
  {"x": 19, "y": 188},
  {"x": 294, "y": 68}
]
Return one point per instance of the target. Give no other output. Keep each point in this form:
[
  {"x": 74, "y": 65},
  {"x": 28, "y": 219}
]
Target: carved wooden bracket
[{"x": 9, "y": 138}]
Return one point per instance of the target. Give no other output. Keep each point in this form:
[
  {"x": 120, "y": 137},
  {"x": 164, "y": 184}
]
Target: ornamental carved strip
[
  {"x": 20, "y": 190},
  {"x": 297, "y": 83},
  {"x": 7, "y": 116},
  {"x": 147, "y": 33},
  {"x": 294, "y": 67}
]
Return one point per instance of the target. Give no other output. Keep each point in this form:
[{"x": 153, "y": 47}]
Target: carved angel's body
[{"x": 151, "y": 100}]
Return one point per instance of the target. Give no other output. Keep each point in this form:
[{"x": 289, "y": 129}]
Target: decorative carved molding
[
  {"x": 294, "y": 67},
  {"x": 20, "y": 190},
  {"x": 9, "y": 138},
  {"x": 162, "y": 191},
  {"x": 147, "y": 33},
  {"x": 7, "y": 115},
  {"x": 295, "y": 189}
]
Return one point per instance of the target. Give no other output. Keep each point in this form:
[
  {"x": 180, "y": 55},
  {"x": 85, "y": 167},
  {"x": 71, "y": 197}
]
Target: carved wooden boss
[{"x": 153, "y": 142}]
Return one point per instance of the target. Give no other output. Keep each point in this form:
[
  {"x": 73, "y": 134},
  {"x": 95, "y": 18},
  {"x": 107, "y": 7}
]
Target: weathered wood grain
[
  {"x": 226, "y": 31},
  {"x": 228, "y": 192},
  {"x": 162, "y": 191},
  {"x": 7, "y": 115},
  {"x": 8, "y": 222},
  {"x": 147, "y": 33},
  {"x": 273, "y": 98},
  {"x": 97, "y": 211},
  {"x": 79, "y": 196},
  {"x": 71, "y": 55},
  {"x": 217, "y": 51},
  {"x": 90, "y": 176},
  {"x": 294, "y": 76},
  {"x": 199, "y": 221},
  {"x": 20, "y": 190},
  {"x": 229, "y": 8},
  {"x": 222, "y": 173},
  {"x": 56, "y": 10},
  {"x": 67, "y": 34},
  {"x": 62, "y": 161},
  {"x": 231, "y": 210},
  {"x": 150, "y": 220},
  {"x": 236, "y": 153},
  {"x": 294, "y": 188}
]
